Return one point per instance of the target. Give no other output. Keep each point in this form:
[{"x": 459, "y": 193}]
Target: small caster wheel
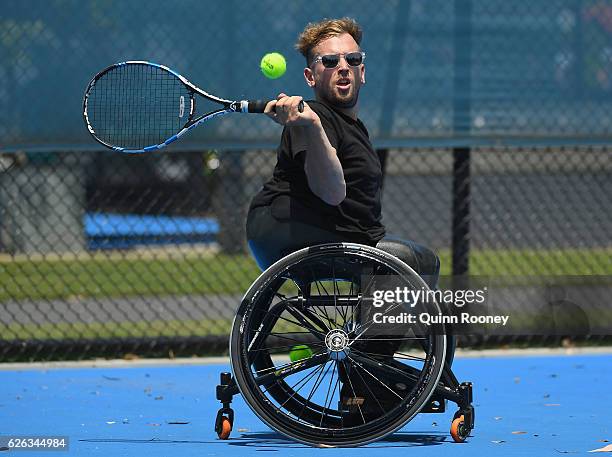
[
  {"x": 224, "y": 429},
  {"x": 459, "y": 429}
]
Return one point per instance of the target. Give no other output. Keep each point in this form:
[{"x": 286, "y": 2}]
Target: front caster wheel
[
  {"x": 224, "y": 429},
  {"x": 459, "y": 429}
]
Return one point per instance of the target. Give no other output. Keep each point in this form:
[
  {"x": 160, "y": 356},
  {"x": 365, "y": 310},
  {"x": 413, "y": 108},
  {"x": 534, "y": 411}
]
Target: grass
[
  {"x": 115, "y": 276},
  {"x": 530, "y": 262},
  {"x": 125, "y": 276},
  {"x": 104, "y": 330}
]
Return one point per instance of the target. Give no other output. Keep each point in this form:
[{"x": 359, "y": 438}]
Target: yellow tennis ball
[{"x": 273, "y": 65}]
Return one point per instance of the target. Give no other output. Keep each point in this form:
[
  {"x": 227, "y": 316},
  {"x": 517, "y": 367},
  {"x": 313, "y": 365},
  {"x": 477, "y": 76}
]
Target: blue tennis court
[{"x": 525, "y": 405}]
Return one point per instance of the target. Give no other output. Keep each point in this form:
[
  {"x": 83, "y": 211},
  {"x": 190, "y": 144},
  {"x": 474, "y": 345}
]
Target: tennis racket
[{"x": 140, "y": 106}]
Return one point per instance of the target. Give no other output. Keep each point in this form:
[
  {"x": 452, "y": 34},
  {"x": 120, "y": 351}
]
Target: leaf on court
[
  {"x": 159, "y": 398},
  {"x": 110, "y": 378},
  {"x": 517, "y": 380},
  {"x": 243, "y": 429},
  {"x": 111, "y": 422},
  {"x": 519, "y": 432},
  {"x": 153, "y": 424},
  {"x": 498, "y": 441},
  {"x": 552, "y": 404},
  {"x": 498, "y": 418},
  {"x": 177, "y": 423},
  {"x": 607, "y": 448}
]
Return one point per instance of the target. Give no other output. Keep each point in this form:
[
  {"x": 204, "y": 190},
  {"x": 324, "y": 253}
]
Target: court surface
[{"x": 541, "y": 405}]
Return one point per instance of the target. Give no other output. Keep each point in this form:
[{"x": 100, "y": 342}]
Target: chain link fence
[
  {"x": 143, "y": 259},
  {"x": 495, "y": 118}
]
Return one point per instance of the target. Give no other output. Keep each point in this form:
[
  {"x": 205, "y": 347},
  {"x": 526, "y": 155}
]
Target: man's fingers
[
  {"x": 270, "y": 107},
  {"x": 285, "y": 110},
  {"x": 290, "y": 104}
]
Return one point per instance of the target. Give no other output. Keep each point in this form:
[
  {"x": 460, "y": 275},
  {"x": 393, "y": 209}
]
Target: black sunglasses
[{"x": 354, "y": 59}]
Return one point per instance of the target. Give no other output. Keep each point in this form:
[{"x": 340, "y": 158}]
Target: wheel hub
[{"x": 337, "y": 342}]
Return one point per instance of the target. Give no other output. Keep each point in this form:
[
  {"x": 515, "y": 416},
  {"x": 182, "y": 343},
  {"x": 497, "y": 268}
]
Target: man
[{"x": 327, "y": 183}]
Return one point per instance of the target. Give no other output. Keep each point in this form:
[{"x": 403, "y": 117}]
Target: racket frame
[{"x": 229, "y": 106}]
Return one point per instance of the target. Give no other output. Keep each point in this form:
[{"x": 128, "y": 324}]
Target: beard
[{"x": 340, "y": 98}]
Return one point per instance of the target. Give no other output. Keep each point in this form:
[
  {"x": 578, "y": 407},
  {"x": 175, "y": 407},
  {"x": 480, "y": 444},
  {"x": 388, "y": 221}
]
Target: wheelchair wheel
[{"x": 309, "y": 361}]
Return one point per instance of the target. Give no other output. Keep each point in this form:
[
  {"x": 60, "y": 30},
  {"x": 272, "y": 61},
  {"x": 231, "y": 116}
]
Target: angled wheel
[{"x": 351, "y": 382}]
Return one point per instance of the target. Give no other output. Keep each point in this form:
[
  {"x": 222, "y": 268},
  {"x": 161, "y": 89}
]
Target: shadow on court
[{"x": 276, "y": 441}]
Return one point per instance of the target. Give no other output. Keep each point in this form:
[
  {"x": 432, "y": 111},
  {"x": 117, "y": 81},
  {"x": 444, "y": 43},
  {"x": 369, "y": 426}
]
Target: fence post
[
  {"x": 461, "y": 128},
  {"x": 461, "y": 211}
]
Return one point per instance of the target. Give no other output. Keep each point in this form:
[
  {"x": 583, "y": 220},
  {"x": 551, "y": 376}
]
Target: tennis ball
[
  {"x": 300, "y": 352},
  {"x": 273, "y": 65}
]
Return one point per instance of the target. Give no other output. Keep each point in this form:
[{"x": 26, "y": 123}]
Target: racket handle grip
[{"x": 258, "y": 106}]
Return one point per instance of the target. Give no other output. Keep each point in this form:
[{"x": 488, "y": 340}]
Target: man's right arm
[{"x": 322, "y": 166}]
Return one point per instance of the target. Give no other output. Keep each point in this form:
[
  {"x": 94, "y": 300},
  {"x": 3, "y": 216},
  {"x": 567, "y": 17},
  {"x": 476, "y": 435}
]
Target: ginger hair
[{"x": 315, "y": 32}]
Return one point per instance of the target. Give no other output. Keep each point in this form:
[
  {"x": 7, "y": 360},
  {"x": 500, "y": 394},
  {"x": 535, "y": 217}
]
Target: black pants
[{"x": 270, "y": 239}]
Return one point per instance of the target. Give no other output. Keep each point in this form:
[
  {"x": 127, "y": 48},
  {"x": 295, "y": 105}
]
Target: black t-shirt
[{"x": 358, "y": 217}]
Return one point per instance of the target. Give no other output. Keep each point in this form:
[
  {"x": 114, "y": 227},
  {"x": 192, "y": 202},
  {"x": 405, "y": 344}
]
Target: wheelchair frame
[{"x": 436, "y": 391}]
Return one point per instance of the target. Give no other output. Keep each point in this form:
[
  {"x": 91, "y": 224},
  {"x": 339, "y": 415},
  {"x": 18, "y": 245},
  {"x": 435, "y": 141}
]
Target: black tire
[{"x": 281, "y": 311}]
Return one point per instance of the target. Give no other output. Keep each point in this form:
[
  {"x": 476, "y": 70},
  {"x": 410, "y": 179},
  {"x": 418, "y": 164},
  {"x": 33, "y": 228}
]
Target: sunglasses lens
[
  {"x": 354, "y": 59},
  {"x": 330, "y": 61}
]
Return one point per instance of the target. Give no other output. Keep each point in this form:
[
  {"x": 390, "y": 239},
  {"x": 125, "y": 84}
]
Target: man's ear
[
  {"x": 362, "y": 74},
  {"x": 309, "y": 77}
]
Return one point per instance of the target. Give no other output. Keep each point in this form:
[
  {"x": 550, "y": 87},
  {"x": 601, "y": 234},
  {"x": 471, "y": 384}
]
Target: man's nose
[
  {"x": 343, "y": 68},
  {"x": 343, "y": 64}
]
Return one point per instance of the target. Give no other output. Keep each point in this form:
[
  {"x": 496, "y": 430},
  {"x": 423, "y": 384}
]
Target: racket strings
[{"x": 137, "y": 105}]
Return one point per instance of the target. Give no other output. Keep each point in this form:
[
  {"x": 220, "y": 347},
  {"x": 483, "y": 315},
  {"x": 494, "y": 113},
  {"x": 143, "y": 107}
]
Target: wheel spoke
[
  {"x": 295, "y": 367},
  {"x": 325, "y": 407},
  {"x": 378, "y": 365},
  {"x": 376, "y": 378},
  {"x": 397, "y": 355},
  {"x": 369, "y": 390},
  {"x": 353, "y": 389},
  {"x": 268, "y": 348},
  {"x": 303, "y": 381},
  {"x": 318, "y": 382}
]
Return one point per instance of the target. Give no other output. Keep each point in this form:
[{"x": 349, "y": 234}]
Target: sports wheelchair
[{"x": 305, "y": 361}]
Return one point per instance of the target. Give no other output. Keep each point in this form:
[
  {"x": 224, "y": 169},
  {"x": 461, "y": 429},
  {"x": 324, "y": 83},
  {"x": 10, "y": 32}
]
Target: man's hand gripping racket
[{"x": 140, "y": 106}]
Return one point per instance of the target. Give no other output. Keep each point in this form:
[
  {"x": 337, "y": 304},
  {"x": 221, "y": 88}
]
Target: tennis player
[{"x": 327, "y": 183}]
